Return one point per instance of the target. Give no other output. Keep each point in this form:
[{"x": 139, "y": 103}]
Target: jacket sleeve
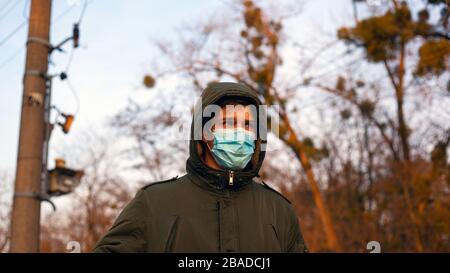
[
  {"x": 296, "y": 242},
  {"x": 127, "y": 234}
]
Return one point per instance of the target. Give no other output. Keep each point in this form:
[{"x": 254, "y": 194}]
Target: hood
[{"x": 220, "y": 179}]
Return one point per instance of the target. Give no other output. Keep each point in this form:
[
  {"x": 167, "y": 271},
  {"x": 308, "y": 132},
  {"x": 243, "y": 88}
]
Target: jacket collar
[{"x": 217, "y": 180}]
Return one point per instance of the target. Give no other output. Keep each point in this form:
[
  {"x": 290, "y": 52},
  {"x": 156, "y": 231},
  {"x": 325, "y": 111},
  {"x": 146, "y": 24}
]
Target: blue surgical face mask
[{"x": 233, "y": 148}]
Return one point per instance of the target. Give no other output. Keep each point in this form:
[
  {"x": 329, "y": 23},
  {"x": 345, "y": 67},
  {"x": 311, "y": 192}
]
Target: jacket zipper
[
  {"x": 230, "y": 178},
  {"x": 218, "y": 222}
]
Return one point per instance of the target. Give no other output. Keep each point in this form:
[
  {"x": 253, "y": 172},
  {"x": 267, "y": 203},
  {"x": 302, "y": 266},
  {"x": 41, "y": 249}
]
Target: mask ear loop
[
  {"x": 206, "y": 142},
  {"x": 204, "y": 145}
]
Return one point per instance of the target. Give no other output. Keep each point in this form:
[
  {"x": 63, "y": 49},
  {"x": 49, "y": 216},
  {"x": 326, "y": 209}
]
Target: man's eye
[{"x": 228, "y": 123}]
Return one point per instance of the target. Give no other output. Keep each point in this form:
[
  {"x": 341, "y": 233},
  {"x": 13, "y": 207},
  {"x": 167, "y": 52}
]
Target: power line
[
  {"x": 86, "y": 3},
  {"x": 57, "y": 18},
  {"x": 69, "y": 62},
  {"x": 24, "y": 13},
  {"x": 9, "y": 10},
  {"x": 5, "y": 5},
  {"x": 12, "y": 57},
  {"x": 70, "y": 8},
  {"x": 75, "y": 95},
  {"x": 62, "y": 14},
  {"x": 10, "y": 35},
  {"x": 80, "y": 19},
  {"x": 23, "y": 23},
  {"x": 20, "y": 50}
]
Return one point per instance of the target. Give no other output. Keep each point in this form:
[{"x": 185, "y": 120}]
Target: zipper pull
[{"x": 231, "y": 178}]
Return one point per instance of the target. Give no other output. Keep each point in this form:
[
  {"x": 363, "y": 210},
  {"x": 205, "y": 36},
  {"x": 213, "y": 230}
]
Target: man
[{"x": 216, "y": 206}]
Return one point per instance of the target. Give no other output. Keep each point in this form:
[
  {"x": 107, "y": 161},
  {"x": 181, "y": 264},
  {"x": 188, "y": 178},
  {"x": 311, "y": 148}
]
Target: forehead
[{"x": 238, "y": 111}]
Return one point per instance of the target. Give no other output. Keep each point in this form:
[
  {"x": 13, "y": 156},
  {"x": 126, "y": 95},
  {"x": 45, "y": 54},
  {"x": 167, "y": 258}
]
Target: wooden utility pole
[{"x": 25, "y": 222}]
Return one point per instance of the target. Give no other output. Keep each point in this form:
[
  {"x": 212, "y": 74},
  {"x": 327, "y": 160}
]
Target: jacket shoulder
[
  {"x": 159, "y": 182},
  {"x": 267, "y": 187}
]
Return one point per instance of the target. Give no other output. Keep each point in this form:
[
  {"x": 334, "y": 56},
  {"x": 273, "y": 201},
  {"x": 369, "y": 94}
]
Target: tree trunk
[{"x": 296, "y": 145}]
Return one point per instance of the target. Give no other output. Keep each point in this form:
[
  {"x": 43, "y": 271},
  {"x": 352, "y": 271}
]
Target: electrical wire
[
  {"x": 75, "y": 95},
  {"x": 57, "y": 18},
  {"x": 19, "y": 27},
  {"x": 80, "y": 19},
  {"x": 20, "y": 50},
  {"x": 10, "y": 9},
  {"x": 86, "y": 3},
  {"x": 69, "y": 62},
  {"x": 5, "y": 5},
  {"x": 23, "y": 23},
  {"x": 12, "y": 57},
  {"x": 25, "y": 8},
  {"x": 25, "y": 16},
  {"x": 62, "y": 14},
  {"x": 11, "y": 34}
]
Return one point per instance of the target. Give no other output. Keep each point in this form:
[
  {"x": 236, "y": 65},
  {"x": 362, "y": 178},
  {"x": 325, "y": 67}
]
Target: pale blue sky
[{"x": 115, "y": 47}]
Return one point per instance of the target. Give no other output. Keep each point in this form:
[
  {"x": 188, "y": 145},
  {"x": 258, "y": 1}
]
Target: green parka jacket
[{"x": 208, "y": 210}]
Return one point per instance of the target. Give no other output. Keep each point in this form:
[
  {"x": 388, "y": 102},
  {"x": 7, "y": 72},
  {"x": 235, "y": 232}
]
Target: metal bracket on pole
[
  {"x": 36, "y": 195},
  {"x": 58, "y": 46},
  {"x": 50, "y": 47},
  {"x": 35, "y": 98},
  {"x": 37, "y": 73},
  {"x": 41, "y": 41}
]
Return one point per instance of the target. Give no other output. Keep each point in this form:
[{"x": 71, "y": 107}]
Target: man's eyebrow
[{"x": 235, "y": 118}]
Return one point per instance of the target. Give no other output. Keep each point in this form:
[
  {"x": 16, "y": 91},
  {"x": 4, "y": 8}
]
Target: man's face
[{"x": 232, "y": 116}]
